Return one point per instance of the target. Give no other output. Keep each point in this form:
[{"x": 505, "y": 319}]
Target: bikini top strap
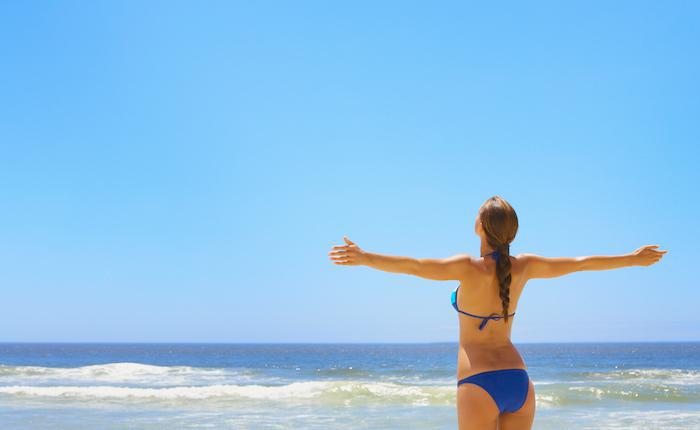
[{"x": 484, "y": 320}]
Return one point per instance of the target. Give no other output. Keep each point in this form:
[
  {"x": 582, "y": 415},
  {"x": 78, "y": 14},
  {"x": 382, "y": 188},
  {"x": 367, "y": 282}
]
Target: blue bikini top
[{"x": 494, "y": 316}]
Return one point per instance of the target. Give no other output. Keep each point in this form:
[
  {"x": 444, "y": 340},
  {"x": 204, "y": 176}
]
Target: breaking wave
[
  {"x": 326, "y": 392},
  {"x": 139, "y": 382}
]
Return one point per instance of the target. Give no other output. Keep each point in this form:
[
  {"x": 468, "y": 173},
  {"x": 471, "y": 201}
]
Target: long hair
[{"x": 500, "y": 224}]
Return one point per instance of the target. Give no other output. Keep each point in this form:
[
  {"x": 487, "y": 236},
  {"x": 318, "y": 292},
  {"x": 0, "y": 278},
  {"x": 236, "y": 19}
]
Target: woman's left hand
[{"x": 348, "y": 255}]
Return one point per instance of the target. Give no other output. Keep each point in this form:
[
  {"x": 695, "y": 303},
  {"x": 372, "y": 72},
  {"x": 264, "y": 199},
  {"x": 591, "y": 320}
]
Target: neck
[{"x": 485, "y": 248}]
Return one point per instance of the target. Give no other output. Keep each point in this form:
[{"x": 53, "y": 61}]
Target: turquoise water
[{"x": 333, "y": 386}]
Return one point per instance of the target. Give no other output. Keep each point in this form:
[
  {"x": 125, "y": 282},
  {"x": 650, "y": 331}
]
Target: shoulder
[
  {"x": 456, "y": 267},
  {"x": 527, "y": 258},
  {"x": 466, "y": 264},
  {"x": 524, "y": 260},
  {"x": 465, "y": 259}
]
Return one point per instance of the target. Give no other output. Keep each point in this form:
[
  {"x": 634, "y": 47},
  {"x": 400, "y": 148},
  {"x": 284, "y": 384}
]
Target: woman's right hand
[
  {"x": 646, "y": 255},
  {"x": 349, "y": 254}
]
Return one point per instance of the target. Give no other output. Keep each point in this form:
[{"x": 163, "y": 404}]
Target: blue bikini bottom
[{"x": 507, "y": 387}]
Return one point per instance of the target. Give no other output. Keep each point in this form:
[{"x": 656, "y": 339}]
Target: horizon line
[{"x": 334, "y": 343}]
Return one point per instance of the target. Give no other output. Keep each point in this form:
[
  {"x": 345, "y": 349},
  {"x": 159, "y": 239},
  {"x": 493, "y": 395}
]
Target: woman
[{"x": 493, "y": 388}]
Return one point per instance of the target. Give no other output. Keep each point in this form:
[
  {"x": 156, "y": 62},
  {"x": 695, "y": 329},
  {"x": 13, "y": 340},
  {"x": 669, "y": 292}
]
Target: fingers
[
  {"x": 344, "y": 254},
  {"x": 649, "y": 254},
  {"x": 650, "y": 249},
  {"x": 339, "y": 249},
  {"x": 657, "y": 251},
  {"x": 653, "y": 257},
  {"x": 343, "y": 259}
]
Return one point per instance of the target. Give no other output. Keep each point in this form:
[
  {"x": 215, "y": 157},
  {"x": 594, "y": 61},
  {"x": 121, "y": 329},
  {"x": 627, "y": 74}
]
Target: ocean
[{"x": 333, "y": 386}]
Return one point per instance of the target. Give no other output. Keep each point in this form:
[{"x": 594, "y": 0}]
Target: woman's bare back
[{"x": 491, "y": 347}]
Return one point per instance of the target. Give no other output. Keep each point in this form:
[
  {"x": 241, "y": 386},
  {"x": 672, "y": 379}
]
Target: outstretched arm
[
  {"x": 537, "y": 266},
  {"x": 457, "y": 267}
]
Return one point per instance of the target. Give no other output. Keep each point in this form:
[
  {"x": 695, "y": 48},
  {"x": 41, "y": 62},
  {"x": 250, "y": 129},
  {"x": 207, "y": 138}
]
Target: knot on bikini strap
[{"x": 494, "y": 316}]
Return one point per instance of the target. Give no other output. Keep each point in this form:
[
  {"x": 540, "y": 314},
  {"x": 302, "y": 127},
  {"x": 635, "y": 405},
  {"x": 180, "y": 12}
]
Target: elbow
[
  {"x": 413, "y": 266},
  {"x": 581, "y": 263}
]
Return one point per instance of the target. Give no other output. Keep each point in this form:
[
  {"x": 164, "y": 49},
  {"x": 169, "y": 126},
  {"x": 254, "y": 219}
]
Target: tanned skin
[{"x": 491, "y": 348}]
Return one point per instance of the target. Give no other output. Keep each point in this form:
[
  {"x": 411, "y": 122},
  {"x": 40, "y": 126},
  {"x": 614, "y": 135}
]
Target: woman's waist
[{"x": 477, "y": 358}]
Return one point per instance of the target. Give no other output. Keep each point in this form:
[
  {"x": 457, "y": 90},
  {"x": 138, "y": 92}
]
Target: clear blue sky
[{"x": 178, "y": 171}]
